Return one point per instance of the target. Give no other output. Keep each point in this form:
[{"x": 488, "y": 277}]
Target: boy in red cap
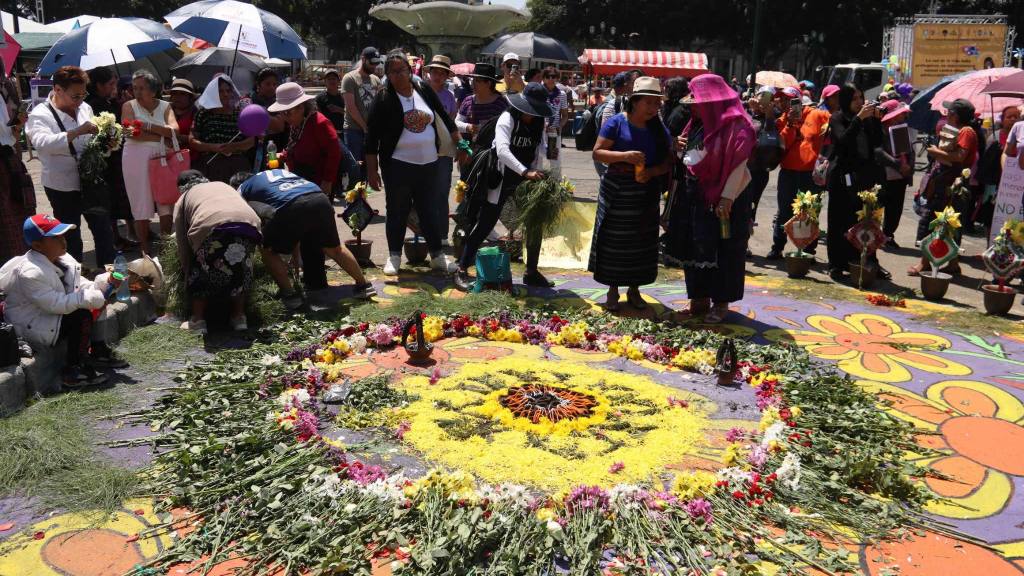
[{"x": 48, "y": 300}]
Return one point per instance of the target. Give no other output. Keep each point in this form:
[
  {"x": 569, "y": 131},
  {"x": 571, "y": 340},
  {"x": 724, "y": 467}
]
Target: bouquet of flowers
[
  {"x": 958, "y": 191},
  {"x": 802, "y": 228},
  {"x": 92, "y": 161},
  {"x": 871, "y": 209},
  {"x": 540, "y": 204},
  {"x": 358, "y": 213},
  {"x": 1004, "y": 258}
]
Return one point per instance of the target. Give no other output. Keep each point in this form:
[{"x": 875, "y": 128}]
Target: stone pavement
[
  {"x": 578, "y": 167},
  {"x": 963, "y": 391}
]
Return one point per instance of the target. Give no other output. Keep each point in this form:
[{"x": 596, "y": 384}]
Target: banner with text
[
  {"x": 1010, "y": 198},
  {"x": 944, "y": 49}
]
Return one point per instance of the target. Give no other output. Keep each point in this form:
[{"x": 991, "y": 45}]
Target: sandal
[
  {"x": 717, "y": 314},
  {"x": 635, "y": 299},
  {"x": 612, "y": 305}
]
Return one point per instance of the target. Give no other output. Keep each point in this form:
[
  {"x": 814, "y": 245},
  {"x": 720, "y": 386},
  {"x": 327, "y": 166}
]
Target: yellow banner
[{"x": 944, "y": 49}]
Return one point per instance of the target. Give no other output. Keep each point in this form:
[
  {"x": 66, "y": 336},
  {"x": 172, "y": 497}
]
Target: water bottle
[
  {"x": 272, "y": 162},
  {"x": 121, "y": 267}
]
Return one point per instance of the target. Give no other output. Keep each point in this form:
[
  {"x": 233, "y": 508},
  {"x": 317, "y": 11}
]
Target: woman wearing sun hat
[
  {"x": 484, "y": 104},
  {"x": 313, "y": 152},
  {"x": 520, "y": 147},
  {"x": 637, "y": 149},
  {"x": 717, "y": 143}
]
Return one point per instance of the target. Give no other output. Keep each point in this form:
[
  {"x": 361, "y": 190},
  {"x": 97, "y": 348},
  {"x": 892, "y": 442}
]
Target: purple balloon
[{"x": 253, "y": 120}]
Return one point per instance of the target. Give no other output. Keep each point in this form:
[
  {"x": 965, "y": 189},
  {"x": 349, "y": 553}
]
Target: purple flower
[
  {"x": 306, "y": 426},
  {"x": 586, "y": 498},
  {"x": 735, "y": 434},
  {"x": 699, "y": 508},
  {"x": 758, "y": 456}
]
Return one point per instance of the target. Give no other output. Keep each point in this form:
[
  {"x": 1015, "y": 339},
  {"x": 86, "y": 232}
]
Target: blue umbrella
[
  {"x": 922, "y": 118},
  {"x": 108, "y": 42},
  {"x": 240, "y": 26}
]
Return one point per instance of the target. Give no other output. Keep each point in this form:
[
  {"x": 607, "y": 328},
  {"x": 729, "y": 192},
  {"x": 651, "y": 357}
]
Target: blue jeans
[
  {"x": 444, "y": 184},
  {"x": 789, "y": 184},
  {"x": 348, "y": 165},
  {"x": 354, "y": 138},
  {"x": 67, "y": 207}
]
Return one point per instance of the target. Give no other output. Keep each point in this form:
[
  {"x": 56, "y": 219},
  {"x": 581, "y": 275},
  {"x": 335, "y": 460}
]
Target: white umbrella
[{"x": 238, "y": 25}]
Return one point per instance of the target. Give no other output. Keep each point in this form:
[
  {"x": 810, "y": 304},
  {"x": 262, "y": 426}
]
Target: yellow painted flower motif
[
  {"x": 872, "y": 347},
  {"x": 453, "y": 424},
  {"x": 979, "y": 431}
]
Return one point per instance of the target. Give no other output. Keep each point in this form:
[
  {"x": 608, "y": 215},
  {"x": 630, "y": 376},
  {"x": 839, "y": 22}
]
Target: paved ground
[{"x": 577, "y": 166}]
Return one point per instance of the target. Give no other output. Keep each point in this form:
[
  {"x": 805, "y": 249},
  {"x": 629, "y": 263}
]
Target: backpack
[
  {"x": 587, "y": 136},
  {"x": 485, "y": 136}
]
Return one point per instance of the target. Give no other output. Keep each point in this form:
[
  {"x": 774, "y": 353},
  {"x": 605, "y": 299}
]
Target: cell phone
[
  {"x": 514, "y": 68},
  {"x": 765, "y": 98},
  {"x": 796, "y": 105},
  {"x": 874, "y": 103}
]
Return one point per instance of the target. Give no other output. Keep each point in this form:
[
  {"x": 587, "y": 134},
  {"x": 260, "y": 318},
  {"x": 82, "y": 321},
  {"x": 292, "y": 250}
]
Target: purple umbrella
[{"x": 1011, "y": 86}]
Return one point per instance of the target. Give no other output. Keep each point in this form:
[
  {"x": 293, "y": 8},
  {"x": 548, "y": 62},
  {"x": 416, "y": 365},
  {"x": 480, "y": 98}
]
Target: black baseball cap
[{"x": 371, "y": 53}]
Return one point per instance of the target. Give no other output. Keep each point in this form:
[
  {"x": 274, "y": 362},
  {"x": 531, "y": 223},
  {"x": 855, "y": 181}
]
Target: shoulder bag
[{"x": 164, "y": 170}]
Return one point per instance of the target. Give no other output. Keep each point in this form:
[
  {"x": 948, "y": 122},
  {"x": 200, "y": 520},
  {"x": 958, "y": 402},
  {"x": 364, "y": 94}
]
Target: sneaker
[
  {"x": 291, "y": 300},
  {"x": 536, "y": 279},
  {"x": 364, "y": 291},
  {"x": 441, "y": 263},
  {"x": 917, "y": 243},
  {"x": 774, "y": 255},
  {"x": 78, "y": 377},
  {"x": 462, "y": 281},
  {"x": 239, "y": 324},
  {"x": 392, "y": 265},
  {"x": 197, "y": 326},
  {"x": 106, "y": 358}
]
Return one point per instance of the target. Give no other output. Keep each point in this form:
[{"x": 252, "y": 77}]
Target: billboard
[{"x": 944, "y": 49}]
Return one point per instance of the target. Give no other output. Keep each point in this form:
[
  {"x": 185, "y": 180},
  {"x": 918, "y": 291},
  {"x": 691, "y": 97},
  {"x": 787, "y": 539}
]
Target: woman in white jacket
[{"x": 48, "y": 300}]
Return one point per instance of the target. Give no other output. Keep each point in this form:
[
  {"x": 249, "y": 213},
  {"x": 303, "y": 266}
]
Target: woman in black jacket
[
  {"x": 856, "y": 132},
  {"x": 406, "y": 123}
]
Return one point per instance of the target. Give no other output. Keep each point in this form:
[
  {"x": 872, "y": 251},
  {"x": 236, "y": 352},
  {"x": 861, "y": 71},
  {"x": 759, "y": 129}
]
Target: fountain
[{"x": 456, "y": 28}]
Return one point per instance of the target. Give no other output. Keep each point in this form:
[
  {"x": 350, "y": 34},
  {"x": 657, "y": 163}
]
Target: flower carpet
[{"x": 542, "y": 444}]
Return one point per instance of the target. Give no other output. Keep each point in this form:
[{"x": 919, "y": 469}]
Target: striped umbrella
[
  {"x": 109, "y": 42},
  {"x": 240, "y": 26}
]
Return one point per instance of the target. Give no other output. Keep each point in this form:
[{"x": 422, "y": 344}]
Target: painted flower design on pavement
[
  {"x": 979, "y": 429},
  {"x": 872, "y": 347}
]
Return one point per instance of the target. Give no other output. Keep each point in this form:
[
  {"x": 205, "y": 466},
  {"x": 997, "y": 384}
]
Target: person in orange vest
[{"x": 802, "y": 130}]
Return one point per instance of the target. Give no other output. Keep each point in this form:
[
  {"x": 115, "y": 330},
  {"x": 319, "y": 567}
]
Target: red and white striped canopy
[{"x": 687, "y": 64}]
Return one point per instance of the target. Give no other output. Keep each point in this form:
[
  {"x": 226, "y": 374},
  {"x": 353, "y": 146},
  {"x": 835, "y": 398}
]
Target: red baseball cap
[{"x": 40, "y": 226}]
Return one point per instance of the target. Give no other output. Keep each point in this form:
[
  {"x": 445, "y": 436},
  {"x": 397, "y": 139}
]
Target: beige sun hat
[
  {"x": 289, "y": 95},
  {"x": 646, "y": 86}
]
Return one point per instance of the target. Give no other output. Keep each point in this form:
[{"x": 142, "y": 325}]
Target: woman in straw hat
[
  {"x": 637, "y": 149},
  {"x": 718, "y": 142}
]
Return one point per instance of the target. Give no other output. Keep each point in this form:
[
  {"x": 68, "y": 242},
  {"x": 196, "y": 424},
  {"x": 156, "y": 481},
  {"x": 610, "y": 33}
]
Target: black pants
[
  {"x": 407, "y": 186},
  {"x": 67, "y": 207},
  {"x": 790, "y": 183},
  {"x": 75, "y": 331},
  {"x": 758, "y": 182},
  {"x": 894, "y": 193},
  {"x": 486, "y": 218},
  {"x": 843, "y": 204}
]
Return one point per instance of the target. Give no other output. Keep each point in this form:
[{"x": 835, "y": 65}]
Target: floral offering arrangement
[
  {"x": 940, "y": 246},
  {"x": 93, "y": 158},
  {"x": 871, "y": 210},
  {"x": 357, "y": 191},
  {"x": 802, "y": 228},
  {"x": 524, "y": 464},
  {"x": 1004, "y": 258}
]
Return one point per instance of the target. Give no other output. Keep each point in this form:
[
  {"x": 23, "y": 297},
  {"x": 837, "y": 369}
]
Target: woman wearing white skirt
[{"x": 158, "y": 127}]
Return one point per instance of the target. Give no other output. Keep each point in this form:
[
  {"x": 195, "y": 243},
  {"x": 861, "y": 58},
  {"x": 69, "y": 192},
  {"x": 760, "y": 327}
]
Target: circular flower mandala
[{"x": 551, "y": 425}]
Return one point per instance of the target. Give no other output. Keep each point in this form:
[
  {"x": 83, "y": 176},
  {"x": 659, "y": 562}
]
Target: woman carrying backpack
[{"x": 515, "y": 155}]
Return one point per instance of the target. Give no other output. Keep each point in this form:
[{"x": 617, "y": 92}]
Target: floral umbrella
[{"x": 776, "y": 79}]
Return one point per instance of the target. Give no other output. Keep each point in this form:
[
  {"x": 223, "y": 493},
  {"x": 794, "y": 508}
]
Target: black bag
[
  {"x": 587, "y": 136},
  {"x": 10, "y": 355}
]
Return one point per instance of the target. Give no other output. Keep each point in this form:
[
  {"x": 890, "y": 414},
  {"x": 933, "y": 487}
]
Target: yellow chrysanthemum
[
  {"x": 732, "y": 454},
  {"x": 433, "y": 328},
  {"x": 694, "y": 359},
  {"x": 690, "y": 485},
  {"x": 459, "y": 422}
]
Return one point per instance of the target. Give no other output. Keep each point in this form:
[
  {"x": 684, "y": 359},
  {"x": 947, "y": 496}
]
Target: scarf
[
  {"x": 728, "y": 141},
  {"x": 210, "y": 98}
]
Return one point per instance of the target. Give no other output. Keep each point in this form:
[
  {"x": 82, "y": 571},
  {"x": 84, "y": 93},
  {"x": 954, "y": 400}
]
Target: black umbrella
[
  {"x": 530, "y": 45},
  {"x": 922, "y": 118}
]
